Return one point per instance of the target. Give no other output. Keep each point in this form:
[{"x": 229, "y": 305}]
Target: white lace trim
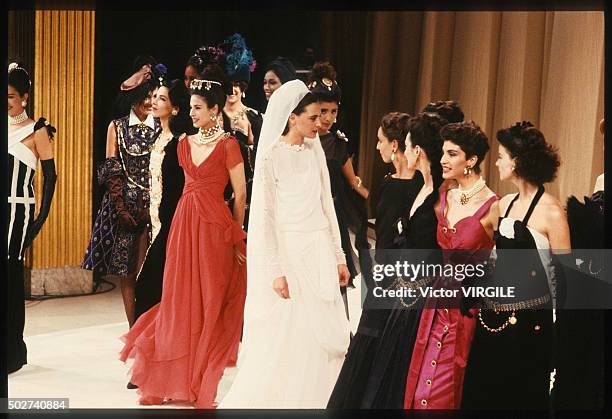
[{"x": 293, "y": 147}]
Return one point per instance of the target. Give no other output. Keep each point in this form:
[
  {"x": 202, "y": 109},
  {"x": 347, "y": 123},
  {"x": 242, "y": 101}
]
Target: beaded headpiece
[
  {"x": 196, "y": 84},
  {"x": 239, "y": 62}
]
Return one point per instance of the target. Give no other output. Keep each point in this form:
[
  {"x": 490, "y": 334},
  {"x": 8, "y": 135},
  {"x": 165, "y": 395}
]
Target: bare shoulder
[
  {"x": 550, "y": 200},
  {"x": 505, "y": 200},
  {"x": 552, "y": 207}
]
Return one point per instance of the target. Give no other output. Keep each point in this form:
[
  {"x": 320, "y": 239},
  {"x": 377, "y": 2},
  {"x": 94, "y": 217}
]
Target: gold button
[
  {"x": 433, "y": 363},
  {"x": 536, "y": 327},
  {"x": 439, "y": 345},
  {"x": 424, "y": 402},
  {"x": 445, "y": 328},
  {"x": 428, "y": 382},
  {"x": 446, "y": 310}
]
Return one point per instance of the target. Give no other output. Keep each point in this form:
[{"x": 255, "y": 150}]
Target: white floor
[{"x": 73, "y": 346}]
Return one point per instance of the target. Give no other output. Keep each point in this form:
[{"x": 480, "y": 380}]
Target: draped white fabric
[{"x": 292, "y": 349}]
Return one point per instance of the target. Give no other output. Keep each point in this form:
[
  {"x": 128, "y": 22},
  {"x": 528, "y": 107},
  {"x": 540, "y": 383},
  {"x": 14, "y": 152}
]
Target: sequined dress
[{"x": 112, "y": 250}]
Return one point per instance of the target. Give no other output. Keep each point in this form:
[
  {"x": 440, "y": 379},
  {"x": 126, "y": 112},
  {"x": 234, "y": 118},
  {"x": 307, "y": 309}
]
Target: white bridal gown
[{"x": 292, "y": 353}]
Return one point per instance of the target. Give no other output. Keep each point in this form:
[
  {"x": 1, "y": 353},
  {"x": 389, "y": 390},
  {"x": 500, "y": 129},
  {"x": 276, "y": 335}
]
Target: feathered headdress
[{"x": 239, "y": 62}]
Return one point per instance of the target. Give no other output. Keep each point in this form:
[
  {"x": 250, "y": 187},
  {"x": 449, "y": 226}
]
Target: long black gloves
[{"x": 49, "y": 178}]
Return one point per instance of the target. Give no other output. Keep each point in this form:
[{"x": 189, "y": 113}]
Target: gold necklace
[
  {"x": 511, "y": 320},
  {"x": 466, "y": 195},
  {"x": 239, "y": 116}
]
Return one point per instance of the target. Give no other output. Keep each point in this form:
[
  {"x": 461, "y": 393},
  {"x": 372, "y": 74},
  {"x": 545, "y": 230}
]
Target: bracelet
[{"x": 358, "y": 182}]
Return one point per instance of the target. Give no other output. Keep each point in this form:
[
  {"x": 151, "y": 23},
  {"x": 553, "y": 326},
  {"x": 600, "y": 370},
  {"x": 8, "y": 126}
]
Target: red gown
[
  {"x": 182, "y": 345},
  {"x": 444, "y": 337}
]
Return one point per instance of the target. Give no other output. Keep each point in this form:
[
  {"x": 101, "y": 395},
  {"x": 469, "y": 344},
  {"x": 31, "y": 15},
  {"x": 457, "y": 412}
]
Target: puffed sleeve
[
  {"x": 232, "y": 153},
  {"x": 269, "y": 183}
]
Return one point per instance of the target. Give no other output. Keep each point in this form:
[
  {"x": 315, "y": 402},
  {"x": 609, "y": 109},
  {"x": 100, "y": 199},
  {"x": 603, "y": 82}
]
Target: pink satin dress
[{"x": 444, "y": 338}]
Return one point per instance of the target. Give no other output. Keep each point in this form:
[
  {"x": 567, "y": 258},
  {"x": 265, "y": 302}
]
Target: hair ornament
[
  {"x": 196, "y": 84},
  {"x": 160, "y": 71},
  {"x": 206, "y": 55},
  {"x": 14, "y": 66},
  {"x": 517, "y": 129}
]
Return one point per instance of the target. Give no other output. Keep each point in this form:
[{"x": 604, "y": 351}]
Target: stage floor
[{"x": 73, "y": 347}]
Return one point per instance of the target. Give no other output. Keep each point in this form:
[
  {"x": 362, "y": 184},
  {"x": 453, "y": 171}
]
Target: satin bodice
[{"x": 468, "y": 232}]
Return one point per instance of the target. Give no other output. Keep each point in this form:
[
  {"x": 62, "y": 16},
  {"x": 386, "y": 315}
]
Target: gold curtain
[
  {"x": 502, "y": 67},
  {"x": 64, "y": 89}
]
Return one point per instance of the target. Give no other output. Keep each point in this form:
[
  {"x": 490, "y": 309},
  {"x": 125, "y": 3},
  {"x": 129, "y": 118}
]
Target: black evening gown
[
  {"x": 395, "y": 199},
  {"x": 386, "y": 386},
  {"x": 579, "y": 380},
  {"x": 348, "y": 204},
  {"x": 149, "y": 282},
  {"x": 511, "y": 368}
]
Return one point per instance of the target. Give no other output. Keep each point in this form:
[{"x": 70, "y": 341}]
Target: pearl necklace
[
  {"x": 465, "y": 195},
  {"x": 16, "y": 120},
  {"x": 210, "y": 135}
]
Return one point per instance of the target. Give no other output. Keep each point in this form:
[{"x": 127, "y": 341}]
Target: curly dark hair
[
  {"x": 324, "y": 93},
  {"x": 447, "y": 109},
  {"x": 395, "y": 127},
  {"x": 216, "y": 95},
  {"x": 424, "y": 131},
  {"x": 536, "y": 160},
  {"x": 470, "y": 138}
]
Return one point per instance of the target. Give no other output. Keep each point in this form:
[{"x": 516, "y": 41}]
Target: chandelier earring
[
  {"x": 243, "y": 95},
  {"x": 213, "y": 116},
  {"x": 393, "y": 157}
]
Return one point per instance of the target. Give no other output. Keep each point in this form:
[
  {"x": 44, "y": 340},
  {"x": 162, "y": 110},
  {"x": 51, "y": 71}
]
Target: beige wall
[{"x": 502, "y": 67}]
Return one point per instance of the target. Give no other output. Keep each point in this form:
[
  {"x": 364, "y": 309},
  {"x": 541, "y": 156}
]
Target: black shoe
[{"x": 131, "y": 386}]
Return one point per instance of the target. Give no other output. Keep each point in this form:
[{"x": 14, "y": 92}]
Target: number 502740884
[{"x": 36, "y": 404}]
